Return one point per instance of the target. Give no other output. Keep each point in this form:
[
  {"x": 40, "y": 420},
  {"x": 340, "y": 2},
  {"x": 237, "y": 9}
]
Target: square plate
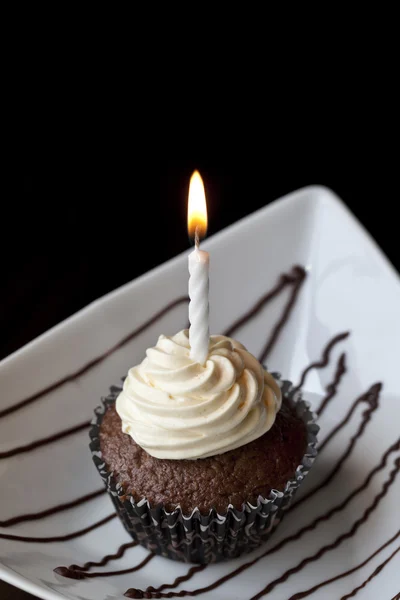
[{"x": 350, "y": 286}]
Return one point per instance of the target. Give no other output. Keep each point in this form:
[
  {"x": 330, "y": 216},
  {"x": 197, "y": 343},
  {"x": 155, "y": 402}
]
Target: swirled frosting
[{"x": 176, "y": 408}]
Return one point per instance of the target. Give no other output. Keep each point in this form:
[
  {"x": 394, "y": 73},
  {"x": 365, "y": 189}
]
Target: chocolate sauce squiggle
[
  {"x": 301, "y": 274},
  {"x": 395, "y": 597},
  {"x": 57, "y": 538},
  {"x": 295, "y": 278},
  {"x": 347, "y": 417},
  {"x": 80, "y": 572},
  {"x": 68, "y": 571},
  {"x": 372, "y": 398},
  {"x": 284, "y": 280},
  {"x": 339, "y": 507},
  {"x": 341, "y": 538},
  {"x": 73, "y": 574},
  {"x": 311, "y": 526},
  {"x": 374, "y": 574},
  {"x": 332, "y": 387},
  {"x": 320, "y": 364},
  {"x": 181, "y": 579},
  {"x": 106, "y": 559},
  {"x": 94, "y": 361},
  {"x": 52, "y": 510},
  {"x": 313, "y": 589},
  {"x": 44, "y": 441}
]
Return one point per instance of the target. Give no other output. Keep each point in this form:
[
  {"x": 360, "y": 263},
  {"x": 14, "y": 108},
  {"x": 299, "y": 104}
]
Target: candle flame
[{"x": 197, "y": 207}]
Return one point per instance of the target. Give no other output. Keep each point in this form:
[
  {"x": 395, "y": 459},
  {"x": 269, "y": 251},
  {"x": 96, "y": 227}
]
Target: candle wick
[{"x": 196, "y": 238}]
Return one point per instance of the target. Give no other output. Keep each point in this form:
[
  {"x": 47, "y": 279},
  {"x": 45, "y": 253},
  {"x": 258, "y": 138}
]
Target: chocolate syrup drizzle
[
  {"x": 320, "y": 364},
  {"x": 95, "y": 361},
  {"x": 294, "y": 279},
  {"x": 181, "y": 579},
  {"x": 48, "y": 512},
  {"x": 57, "y": 538},
  {"x": 371, "y": 397},
  {"x": 345, "y": 536},
  {"x": 106, "y": 559},
  {"x": 374, "y": 574},
  {"x": 81, "y": 574},
  {"x": 332, "y": 387},
  {"x": 310, "y": 591},
  {"x": 44, "y": 441}
]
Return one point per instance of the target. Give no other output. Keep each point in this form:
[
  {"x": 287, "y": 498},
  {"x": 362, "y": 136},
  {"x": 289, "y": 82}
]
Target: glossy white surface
[{"x": 350, "y": 285}]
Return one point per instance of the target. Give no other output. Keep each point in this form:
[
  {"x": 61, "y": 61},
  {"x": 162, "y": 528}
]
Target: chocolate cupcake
[{"x": 201, "y": 462}]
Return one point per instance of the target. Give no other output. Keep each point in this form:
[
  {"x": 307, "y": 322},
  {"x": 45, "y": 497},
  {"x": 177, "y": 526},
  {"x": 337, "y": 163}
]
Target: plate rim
[
  {"x": 317, "y": 194},
  {"x": 27, "y": 585}
]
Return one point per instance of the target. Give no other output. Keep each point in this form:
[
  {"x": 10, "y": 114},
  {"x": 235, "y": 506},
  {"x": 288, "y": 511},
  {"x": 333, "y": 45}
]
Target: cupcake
[{"x": 201, "y": 462}]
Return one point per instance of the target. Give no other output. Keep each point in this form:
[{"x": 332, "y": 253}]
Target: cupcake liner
[{"x": 199, "y": 538}]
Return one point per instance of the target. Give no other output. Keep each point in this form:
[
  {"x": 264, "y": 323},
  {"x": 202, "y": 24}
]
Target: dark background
[{"x": 86, "y": 220}]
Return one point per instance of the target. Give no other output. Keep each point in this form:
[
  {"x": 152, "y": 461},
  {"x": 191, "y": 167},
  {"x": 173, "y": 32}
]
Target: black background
[{"x": 88, "y": 216}]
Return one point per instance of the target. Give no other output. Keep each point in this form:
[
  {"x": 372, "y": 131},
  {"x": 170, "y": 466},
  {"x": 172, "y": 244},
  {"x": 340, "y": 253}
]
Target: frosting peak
[{"x": 176, "y": 408}]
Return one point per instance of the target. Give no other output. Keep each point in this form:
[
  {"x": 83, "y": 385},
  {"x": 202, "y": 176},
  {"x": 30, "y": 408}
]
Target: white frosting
[{"x": 176, "y": 408}]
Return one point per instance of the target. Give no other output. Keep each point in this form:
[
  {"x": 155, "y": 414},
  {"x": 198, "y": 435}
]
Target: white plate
[{"x": 350, "y": 285}]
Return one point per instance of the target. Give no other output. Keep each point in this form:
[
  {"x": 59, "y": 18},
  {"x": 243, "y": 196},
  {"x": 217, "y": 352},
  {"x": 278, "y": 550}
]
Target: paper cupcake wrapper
[{"x": 197, "y": 538}]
